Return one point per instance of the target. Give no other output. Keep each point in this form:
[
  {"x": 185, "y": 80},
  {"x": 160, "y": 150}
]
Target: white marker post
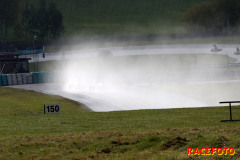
[{"x": 52, "y": 108}]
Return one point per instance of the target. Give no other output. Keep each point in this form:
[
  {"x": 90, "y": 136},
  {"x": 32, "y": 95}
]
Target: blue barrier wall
[
  {"x": 3, "y": 80},
  {"x": 42, "y": 77},
  {"x": 26, "y": 78}
]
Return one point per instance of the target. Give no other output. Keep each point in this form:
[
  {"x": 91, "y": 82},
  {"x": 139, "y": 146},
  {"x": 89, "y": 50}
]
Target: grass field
[{"x": 76, "y": 133}]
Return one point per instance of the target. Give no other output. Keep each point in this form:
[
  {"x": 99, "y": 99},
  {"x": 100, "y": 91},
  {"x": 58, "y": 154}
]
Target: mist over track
[
  {"x": 142, "y": 50},
  {"x": 115, "y": 97}
]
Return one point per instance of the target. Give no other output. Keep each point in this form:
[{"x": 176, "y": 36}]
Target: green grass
[{"x": 26, "y": 133}]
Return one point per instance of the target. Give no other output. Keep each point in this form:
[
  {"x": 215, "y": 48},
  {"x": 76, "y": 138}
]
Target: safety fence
[{"x": 26, "y": 78}]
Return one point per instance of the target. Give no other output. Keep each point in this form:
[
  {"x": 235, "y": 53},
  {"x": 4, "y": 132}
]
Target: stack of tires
[
  {"x": 12, "y": 79},
  {"x": 19, "y": 79},
  {"x": 38, "y": 77},
  {"x": 26, "y": 78},
  {"x": 29, "y": 78},
  {"x": 3, "y": 80},
  {"x": 42, "y": 77}
]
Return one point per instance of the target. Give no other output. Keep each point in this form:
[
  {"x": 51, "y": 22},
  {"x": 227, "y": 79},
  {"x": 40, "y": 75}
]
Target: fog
[{"x": 147, "y": 77}]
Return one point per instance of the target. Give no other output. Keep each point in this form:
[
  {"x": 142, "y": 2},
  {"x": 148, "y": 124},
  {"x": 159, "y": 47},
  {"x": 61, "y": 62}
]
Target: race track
[
  {"x": 115, "y": 101},
  {"x": 133, "y": 97},
  {"x": 142, "y": 50}
]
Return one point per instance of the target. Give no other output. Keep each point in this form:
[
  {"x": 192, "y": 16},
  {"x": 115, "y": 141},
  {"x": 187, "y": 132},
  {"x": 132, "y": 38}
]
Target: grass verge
[{"x": 26, "y": 133}]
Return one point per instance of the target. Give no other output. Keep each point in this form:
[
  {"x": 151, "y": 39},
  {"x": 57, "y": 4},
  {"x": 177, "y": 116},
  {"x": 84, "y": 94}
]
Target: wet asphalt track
[{"x": 110, "y": 101}]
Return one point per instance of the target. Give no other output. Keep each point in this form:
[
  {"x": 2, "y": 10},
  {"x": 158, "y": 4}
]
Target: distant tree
[
  {"x": 45, "y": 21},
  {"x": 200, "y": 18},
  {"x": 216, "y": 16},
  {"x": 32, "y": 21},
  {"x": 42, "y": 21},
  {"x": 55, "y": 21},
  {"x": 8, "y": 15},
  {"x": 29, "y": 20},
  {"x": 18, "y": 31},
  {"x": 24, "y": 20},
  {"x": 228, "y": 14}
]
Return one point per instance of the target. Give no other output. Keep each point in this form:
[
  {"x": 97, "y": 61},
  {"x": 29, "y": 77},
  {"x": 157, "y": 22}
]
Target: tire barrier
[
  {"x": 3, "y": 80},
  {"x": 19, "y": 79},
  {"x": 14, "y": 79},
  {"x": 29, "y": 78},
  {"x": 10, "y": 79},
  {"x": 42, "y": 77},
  {"x": 36, "y": 77},
  {"x": 26, "y": 78}
]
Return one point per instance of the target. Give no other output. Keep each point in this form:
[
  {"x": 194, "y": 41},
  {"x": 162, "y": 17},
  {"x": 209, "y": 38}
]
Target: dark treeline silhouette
[
  {"x": 9, "y": 10},
  {"x": 43, "y": 20},
  {"x": 46, "y": 21},
  {"x": 218, "y": 16}
]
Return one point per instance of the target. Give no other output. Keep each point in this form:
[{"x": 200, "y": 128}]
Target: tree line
[
  {"x": 43, "y": 20},
  {"x": 217, "y": 16}
]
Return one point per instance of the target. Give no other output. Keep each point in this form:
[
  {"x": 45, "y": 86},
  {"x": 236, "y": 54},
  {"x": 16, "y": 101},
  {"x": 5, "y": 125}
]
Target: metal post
[{"x": 230, "y": 107}]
